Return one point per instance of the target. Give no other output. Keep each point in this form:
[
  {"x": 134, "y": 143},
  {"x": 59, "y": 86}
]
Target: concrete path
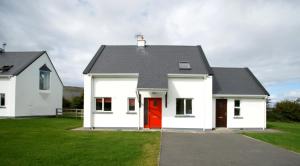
[{"x": 219, "y": 149}]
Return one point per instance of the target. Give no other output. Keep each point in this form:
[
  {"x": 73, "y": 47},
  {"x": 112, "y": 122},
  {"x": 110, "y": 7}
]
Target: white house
[
  {"x": 29, "y": 85},
  {"x": 169, "y": 87}
]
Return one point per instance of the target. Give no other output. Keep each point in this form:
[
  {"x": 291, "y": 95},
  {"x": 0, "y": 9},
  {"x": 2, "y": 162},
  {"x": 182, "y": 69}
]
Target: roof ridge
[
  {"x": 23, "y": 51},
  {"x": 156, "y": 45}
]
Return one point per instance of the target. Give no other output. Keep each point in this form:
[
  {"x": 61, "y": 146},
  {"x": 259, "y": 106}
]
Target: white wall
[
  {"x": 7, "y": 86},
  {"x": 119, "y": 89},
  {"x": 30, "y": 101},
  {"x": 87, "y": 104},
  {"x": 252, "y": 113},
  {"x": 200, "y": 89}
]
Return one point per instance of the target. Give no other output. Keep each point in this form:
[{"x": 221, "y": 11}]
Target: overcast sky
[{"x": 261, "y": 35}]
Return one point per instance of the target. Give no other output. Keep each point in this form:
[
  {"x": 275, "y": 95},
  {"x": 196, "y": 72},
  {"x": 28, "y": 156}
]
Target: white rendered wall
[
  {"x": 7, "y": 86},
  {"x": 30, "y": 101},
  {"x": 87, "y": 101},
  {"x": 252, "y": 113},
  {"x": 200, "y": 90},
  {"x": 119, "y": 89}
]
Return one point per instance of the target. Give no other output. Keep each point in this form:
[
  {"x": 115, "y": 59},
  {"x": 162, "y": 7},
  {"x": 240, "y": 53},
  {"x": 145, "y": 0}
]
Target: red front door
[{"x": 154, "y": 113}]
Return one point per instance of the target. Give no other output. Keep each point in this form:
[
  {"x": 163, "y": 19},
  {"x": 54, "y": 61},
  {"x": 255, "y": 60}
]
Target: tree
[
  {"x": 66, "y": 103},
  {"x": 289, "y": 110},
  {"x": 77, "y": 102}
]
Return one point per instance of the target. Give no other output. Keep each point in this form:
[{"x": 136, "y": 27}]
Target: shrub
[
  {"x": 287, "y": 110},
  {"x": 275, "y": 116}
]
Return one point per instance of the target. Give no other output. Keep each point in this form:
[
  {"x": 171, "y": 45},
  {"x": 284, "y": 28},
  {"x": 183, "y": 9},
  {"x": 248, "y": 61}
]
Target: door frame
[
  {"x": 216, "y": 118},
  {"x": 146, "y": 111}
]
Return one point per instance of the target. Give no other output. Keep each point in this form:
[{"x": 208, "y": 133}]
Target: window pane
[
  {"x": 107, "y": 104},
  {"x": 184, "y": 65},
  {"x": 179, "y": 106},
  {"x": 188, "y": 106},
  {"x": 99, "y": 104},
  {"x": 131, "y": 103},
  {"x": 237, "y": 103},
  {"x": 44, "y": 80},
  {"x": 2, "y": 99},
  {"x": 236, "y": 112}
]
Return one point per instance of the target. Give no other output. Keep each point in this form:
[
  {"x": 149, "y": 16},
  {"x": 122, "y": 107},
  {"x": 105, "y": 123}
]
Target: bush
[
  {"x": 75, "y": 102},
  {"x": 286, "y": 110},
  {"x": 275, "y": 116},
  {"x": 66, "y": 103}
]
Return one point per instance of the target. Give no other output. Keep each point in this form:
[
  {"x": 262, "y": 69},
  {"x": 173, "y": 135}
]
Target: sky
[{"x": 261, "y": 35}]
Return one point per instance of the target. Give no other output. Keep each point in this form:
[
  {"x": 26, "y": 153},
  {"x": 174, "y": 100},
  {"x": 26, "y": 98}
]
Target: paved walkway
[{"x": 219, "y": 149}]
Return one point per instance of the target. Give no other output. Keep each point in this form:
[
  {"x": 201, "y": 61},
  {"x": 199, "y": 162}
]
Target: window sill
[
  {"x": 238, "y": 117},
  {"x": 102, "y": 112},
  {"x": 2, "y": 107},
  {"x": 131, "y": 112},
  {"x": 44, "y": 91},
  {"x": 184, "y": 116}
]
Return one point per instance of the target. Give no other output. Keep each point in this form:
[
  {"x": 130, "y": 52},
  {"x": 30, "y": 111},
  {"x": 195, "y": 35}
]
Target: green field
[
  {"x": 289, "y": 137},
  {"x": 48, "y": 141}
]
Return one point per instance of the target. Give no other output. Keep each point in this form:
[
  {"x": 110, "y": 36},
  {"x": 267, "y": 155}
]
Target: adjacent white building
[
  {"x": 29, "y": 85},
  {"x": 169, "y": 87}
]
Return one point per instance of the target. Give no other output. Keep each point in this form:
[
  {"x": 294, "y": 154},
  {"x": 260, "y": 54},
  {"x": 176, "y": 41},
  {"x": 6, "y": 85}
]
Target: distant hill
[{"x": 72, "y": 91}]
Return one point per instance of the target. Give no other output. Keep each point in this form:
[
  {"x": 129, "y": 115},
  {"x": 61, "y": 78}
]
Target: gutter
[
  {"x": 115, "y": 75},
  {"x": 6, "y": 76},
  {"x": 235, "y": 95},
  {"x": 173, "y": 75}
]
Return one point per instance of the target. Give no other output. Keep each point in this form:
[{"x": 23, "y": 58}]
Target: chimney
[{"x": 140, "y": 41}]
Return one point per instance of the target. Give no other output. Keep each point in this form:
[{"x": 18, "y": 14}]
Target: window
[
  {"x": 2, "y": 100},
  {"x": 183, "y": 106},
  {"x": 237, "y": 108},
  {"x": 44, "y": 78},
  {"x": 131, "y": 104},
  {"x": 184, "y": 66},
  {"x": 99, "y": 104},
  {"x": 103, "y": 104}
]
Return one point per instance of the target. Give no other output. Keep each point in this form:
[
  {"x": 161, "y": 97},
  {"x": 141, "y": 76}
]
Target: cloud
[{"x": 262, "y": 35}]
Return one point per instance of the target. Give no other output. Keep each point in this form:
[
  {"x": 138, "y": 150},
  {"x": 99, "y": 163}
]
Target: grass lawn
[
  {"x": 289, "y": 137},
  {"x": 47, "y": 141}
]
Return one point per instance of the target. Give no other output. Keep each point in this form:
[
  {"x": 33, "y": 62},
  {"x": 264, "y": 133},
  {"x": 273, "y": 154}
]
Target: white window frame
[
  {"x": 1, "y": 104},
  {"x": 102, "y": 110},
  {"x": 234, "y": 107},
  {"x": 184, "y": 107},
  {"x": 128, "y": 104}
]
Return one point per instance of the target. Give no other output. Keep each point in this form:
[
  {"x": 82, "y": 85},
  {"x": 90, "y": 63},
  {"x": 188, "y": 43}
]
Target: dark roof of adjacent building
[
  {"x": 151, "y": 62},
  {"x": 18, "y": 60},
  {"x": 236, "y": 81}
]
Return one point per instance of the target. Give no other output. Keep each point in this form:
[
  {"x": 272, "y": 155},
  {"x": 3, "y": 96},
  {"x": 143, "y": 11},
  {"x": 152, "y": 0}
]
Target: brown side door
[{"x": 221, "y": 113}]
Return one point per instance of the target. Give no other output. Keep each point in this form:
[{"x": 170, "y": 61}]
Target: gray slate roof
[
  {"x": 236, "y": 81},
  {"x": 152, "y": 62},
  {"x": 19, "y": 60}
]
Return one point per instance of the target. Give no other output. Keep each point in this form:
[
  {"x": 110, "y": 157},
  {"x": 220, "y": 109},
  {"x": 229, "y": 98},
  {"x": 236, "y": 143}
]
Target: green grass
[
  {"x": 289, "y": 137},
  {"x": 48, "y": 141}
]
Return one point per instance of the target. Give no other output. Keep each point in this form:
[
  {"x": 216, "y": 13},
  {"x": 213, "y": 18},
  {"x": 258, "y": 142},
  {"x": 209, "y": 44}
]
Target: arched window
[{"x": 44, "y": 78}]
